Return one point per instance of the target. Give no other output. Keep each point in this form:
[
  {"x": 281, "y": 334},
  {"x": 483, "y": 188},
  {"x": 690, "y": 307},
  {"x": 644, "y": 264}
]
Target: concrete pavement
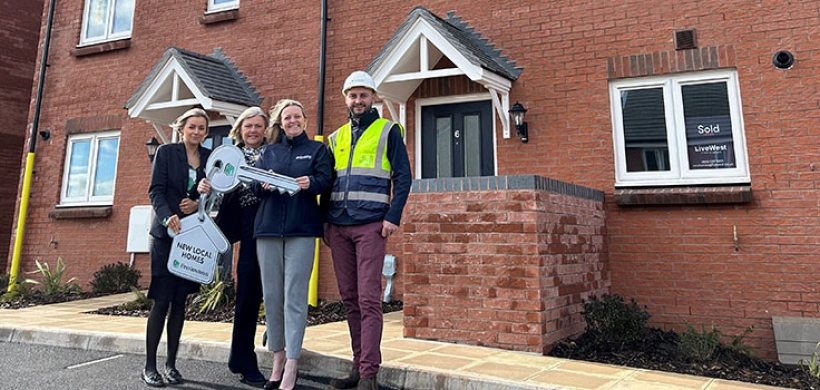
[{"x": 407, "y": 363}]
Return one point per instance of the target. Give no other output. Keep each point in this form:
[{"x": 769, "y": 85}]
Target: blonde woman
[
  {"x": 236, "y": 214},
  {"x": 286, "y": 229},
  {"x": 176, "y": 170}
]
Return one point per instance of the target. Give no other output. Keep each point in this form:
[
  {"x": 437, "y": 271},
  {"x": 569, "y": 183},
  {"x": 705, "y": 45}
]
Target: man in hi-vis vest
[{"x": 371, "y": 164}]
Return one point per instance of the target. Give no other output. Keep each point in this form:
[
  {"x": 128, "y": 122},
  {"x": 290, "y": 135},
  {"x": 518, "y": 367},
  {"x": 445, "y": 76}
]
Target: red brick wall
[
  {"x": 19, "y": 35},
  {"x": 678, "y": 260},
  {"x": 501, "y": 267}
]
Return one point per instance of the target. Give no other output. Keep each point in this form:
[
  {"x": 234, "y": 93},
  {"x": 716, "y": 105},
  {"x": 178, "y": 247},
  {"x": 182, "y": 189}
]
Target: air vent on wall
[{"x": 685, "y": 39}]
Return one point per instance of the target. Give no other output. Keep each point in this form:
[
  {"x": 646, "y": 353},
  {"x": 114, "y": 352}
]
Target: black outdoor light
[
  {"x": 152, "y": 146},
  {"x": 517, "y": 112}
]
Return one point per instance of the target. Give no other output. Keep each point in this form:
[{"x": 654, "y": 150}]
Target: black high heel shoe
[
  {"x": 153, "y": 379},
  {"x": 272, "y": 385}
]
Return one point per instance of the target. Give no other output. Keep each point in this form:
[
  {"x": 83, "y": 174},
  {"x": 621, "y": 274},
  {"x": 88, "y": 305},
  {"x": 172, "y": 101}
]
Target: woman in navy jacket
[
  {"x": 286, "y": 228},
  {"x": 177, "y": 169}
]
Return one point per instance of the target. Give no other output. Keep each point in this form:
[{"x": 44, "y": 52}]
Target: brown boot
[
  {"x": 368, "y": 384},
  {"x": 348, "y": 382}
]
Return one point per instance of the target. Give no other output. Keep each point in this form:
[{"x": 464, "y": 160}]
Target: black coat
[{"x": 169, "y": 182}]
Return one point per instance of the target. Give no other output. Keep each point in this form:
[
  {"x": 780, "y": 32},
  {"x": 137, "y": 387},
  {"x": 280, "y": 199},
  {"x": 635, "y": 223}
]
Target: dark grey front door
[{"x": 457, "y": 140}]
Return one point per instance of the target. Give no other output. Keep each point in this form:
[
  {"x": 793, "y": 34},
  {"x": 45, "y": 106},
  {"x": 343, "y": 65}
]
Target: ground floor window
[
  {"x": 679, "y": 130},
  {"x": 90, "y": 169}
]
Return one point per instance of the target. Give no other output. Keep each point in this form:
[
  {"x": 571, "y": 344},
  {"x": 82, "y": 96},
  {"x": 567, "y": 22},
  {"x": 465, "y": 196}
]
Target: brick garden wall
[{"x": 502, "y": 261}]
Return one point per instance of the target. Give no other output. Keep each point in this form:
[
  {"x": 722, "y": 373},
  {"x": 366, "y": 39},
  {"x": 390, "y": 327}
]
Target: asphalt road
[{"x": 29, "y": 366}]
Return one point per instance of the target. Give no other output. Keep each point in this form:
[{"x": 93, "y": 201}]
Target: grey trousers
[{"x": 285, "y": 265}]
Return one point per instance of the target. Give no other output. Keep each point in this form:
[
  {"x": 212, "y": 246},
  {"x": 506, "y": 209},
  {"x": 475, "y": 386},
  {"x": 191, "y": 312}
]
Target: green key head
[{"x": 230, "y": 170}]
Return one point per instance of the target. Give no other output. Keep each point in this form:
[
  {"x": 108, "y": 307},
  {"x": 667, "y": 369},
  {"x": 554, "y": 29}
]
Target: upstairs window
[
  {"x": 679, "y": 130},
  {"x": 106, "y": 20},
  {"x": 222, "y": 5},
  {"x": 90, "y": 169}
]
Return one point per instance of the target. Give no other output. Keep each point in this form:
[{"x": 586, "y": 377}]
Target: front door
[
  {"x": 457, "y": 140},
  {"x": 217, "y": 136}
]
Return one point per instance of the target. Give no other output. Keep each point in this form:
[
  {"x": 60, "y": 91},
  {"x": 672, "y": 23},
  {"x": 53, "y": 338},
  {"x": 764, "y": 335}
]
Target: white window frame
[
  {"x": 679, "y": 172},
  {"x": 109, "y": 21},
  {"x": 88, "y": 199},
  {"x": 213, "y": 7}
]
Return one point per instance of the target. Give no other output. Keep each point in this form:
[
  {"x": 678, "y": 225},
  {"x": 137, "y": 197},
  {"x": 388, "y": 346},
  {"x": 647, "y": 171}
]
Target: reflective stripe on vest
[{"x": 359, "y": 195}]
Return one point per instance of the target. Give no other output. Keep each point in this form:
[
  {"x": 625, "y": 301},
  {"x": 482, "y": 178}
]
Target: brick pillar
[{"x": 501, "y": 261}]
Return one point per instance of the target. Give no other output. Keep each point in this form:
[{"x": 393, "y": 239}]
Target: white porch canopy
[
  {"x": 183, "y": 79},
  {"x": 418, "y": 45}
]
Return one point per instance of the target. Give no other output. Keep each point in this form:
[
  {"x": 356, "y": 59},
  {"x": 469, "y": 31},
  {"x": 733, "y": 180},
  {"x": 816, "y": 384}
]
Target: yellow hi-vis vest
[{"x": 363, "y": 174}]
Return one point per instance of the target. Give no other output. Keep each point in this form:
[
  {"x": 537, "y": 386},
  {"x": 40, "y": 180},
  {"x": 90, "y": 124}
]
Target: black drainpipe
[
  {"x": 320, "y": 111},
  {"x": 42, "y": 79},
  {"x": 32, "y": 146}
]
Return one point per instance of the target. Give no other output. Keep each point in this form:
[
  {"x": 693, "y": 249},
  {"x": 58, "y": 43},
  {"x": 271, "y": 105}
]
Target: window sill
[
  {"x": 683, "y": 195},
  {"x": 81, "y": 212},
  {"x": 218, "y": 17},
  {"x": 101, "y": 48}
]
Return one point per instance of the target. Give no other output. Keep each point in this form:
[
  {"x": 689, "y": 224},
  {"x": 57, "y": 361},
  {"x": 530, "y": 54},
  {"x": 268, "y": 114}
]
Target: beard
[{"x": 353, "y": 111}]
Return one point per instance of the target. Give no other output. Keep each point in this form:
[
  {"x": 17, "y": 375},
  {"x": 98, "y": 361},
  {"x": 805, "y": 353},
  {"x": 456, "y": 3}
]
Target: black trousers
[{"x": 242, "y": 358}]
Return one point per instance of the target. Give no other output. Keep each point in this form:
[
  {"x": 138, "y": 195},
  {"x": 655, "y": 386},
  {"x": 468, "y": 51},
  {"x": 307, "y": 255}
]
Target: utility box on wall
[
  {"x": 796, "y": 338},
  {"x": 139, "y": 226}
]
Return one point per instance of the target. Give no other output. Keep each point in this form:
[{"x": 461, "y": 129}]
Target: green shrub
[
  {"x": 4, "y": 281},
  {"x": 699, "y": 346},
  {"x": 812, "y": 366},
  {"x": 737, "y": 341},
  {"x": 18, "y": 292},
  {"x": 611, "y": 321},
  {"x": 141, "y": 302},
  {"x": 115, "y": 278},
  {"x": 214, "y": 295},
  {"x": 52, "y": 281}
]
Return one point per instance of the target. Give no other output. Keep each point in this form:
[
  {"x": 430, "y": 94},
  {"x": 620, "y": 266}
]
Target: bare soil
[
  {"x": 658, "y": 351},
  {"x": 324, "y": 312}
]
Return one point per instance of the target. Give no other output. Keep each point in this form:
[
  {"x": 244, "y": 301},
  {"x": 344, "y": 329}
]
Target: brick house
[
  {"x": 19, "y": 36},
  {"x": 668, "y": 156}
]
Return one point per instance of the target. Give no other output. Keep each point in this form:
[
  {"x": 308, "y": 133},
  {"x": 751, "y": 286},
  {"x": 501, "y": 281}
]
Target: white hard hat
[{"x": 358, "y": 79}]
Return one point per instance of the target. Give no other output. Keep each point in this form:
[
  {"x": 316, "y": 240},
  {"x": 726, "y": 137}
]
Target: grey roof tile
[
  {"x": 464, "y": 38},
  {"x": 215, "y": 75}
]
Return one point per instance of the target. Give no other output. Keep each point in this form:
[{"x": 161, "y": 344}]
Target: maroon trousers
[{"x": 358, "y": 257}]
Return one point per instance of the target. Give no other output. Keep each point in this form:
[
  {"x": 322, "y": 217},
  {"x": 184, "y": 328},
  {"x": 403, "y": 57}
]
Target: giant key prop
[
  {"x": 196, "y": 248},
  {"x": 227, "y": 163}
]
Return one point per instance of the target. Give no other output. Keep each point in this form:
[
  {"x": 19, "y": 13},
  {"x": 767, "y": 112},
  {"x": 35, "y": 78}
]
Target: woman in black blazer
[{"x": 176, "y": 171}]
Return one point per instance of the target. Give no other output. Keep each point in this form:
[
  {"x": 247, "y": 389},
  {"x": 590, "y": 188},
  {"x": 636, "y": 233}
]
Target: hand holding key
[
  {"x": 226, "y": 168},
  {"x": 302, "y": 181},
  {"x": 204, "y": 186}
]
